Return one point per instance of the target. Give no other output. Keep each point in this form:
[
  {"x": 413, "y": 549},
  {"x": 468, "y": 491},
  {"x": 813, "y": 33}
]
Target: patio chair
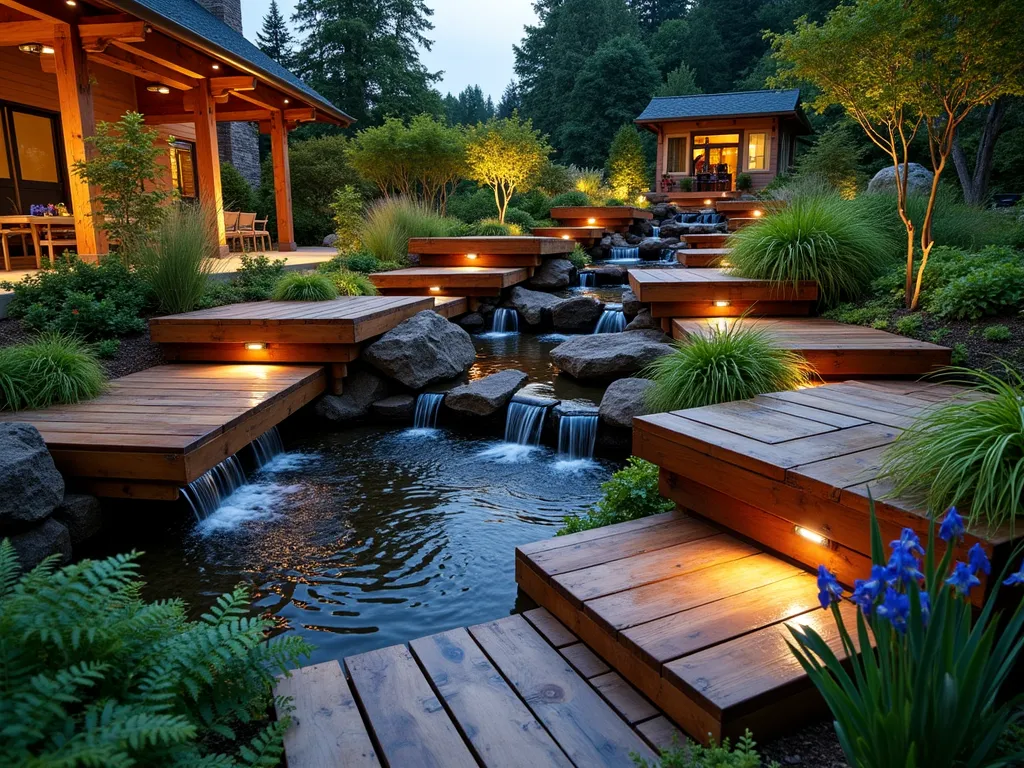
[
  {"x": 54, "y": 238},
  {"x": 246, "y": 228},
  {"x": 23, "y": 233},
  {"x": 231, "y": 225},
  {"x": 260, "y": 227}
]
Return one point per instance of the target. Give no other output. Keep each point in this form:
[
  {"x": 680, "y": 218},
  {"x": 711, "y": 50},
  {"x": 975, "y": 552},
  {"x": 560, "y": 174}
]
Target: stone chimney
[{"x": 238, "y": 142}]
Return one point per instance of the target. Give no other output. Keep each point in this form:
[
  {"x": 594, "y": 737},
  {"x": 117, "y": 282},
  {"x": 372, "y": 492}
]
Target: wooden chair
[
  {"x": 262, "y": 233},
  {"x": 230, "y": 224},
  {"x": 23, "y": 233},
  {"x": 53, "y": 238},
  {"x": 246, "y": 228}
]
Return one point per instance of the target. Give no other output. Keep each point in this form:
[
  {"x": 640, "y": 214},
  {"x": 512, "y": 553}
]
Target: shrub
[
  {"x": 932, "y": 689},
  {"x": 938, "y": 335},
  {"x": 744, "y": 182},
  {"x": 998, "y": 333},
  {"x": 54, "y": 368},
  {"x": 627, "y": 165},
  {"x": 494, "y": 228},
  {"x": 91, "y": 300},
  {"x": 236, "y": 193},
  {"x": 868, "y": 313},
  {"x": 690, "y": 755},
  {"x": 570, "y": 199},
  {"x": 94, "y": 675},
  {"x": 347, "y": 207},
  {"x": 816, "y": 237},
  {"x": 106, "y": 348},
  {"x": 352, "y": 283},
  {"x": 555, "y": 179},
  {"x": 734, "y": 363},
  {"x": 612, "y": 201},
  {"x": 632, "y": 492},
  {"x": 534, "y": 202},
  {"x": 588, "y": 181},
  {"x": 177, "y": 263},
  {"x": 519, "y": 218},
  {"x": 686, "y": 184},
  {"x": 470, "y": 207},
  {"x": 967, "y": 452},
  {"x": 363, "y": 262},
  {"x": 836, "y": 157},
  {"x": 304, "y": 286},
  {"x": 960, "y": 354},
  {"x": 254, "y": 281},
  {"x": 579, "y": 257},
  {"x": 994, "y": 289},
  {"x": 910, "y": 325},
  {"x": 389, "y": 224}
]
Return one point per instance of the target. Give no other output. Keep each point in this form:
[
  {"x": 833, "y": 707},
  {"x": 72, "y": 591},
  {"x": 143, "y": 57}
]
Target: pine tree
[
  {"x": 627, "y": 165},
  {"x": 681, "y": 81},
  {"x": 693, "y": 41},
  {"x": 274, "y": 39},
  {"x": 511, "y": 101}
]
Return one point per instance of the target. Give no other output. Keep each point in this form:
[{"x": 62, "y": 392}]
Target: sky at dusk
[{"x": 473, "y": 39}]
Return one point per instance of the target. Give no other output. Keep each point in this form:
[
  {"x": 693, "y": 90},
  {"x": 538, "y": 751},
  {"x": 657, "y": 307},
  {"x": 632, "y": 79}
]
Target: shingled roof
[
  {"x": 738, "y": 104},
  {"x": 188, "y": 21}
]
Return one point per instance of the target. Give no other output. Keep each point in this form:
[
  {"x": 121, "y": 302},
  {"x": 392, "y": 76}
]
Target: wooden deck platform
[
  {"x": 691, "y": 615},
  {"x": 685, "y": 199},
  {"x": 157, "y": 430},
  {"x": 520, "y": 691},
  {"x": 449, "y": 281},
  {"x": 836, "y": 349},
  {"x": 707, "y": 240},
  {"x": 702, "y": 257},
  {"x": 808, "y": 459},
  {"x": 487, "y": 251},
  {"x": 717, "y": 293},
  {"x": 615, "y": 218},
  {"x": 583, "y": 235}
]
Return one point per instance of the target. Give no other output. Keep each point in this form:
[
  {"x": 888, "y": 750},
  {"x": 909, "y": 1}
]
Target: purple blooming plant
[{"x": 926, "y": 690}]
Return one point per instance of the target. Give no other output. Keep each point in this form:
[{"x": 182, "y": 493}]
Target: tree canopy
[
  {"x": 507, "y": 155},
  {"x": 469, "y": 107},
  {"x": 274, "y": 38},
  {"x": 627, "y": 164}
]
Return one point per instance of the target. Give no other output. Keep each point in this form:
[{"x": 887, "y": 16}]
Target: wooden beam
[
  {"x": 74, "y": 89},
  {"x": 234, "y": 83},
  {"x": 266, "y": 97},
  {"x": 52, "y": 11},
  {"x": 208, "y": 157},
  {"x": 223, "y": 116},
  {"x": 96, "y": 37},
  {"x": 18, "y": 32},
  {"x": 282, "y": 181},
  {"x": 170, "y": 53},
  {"x": 121, "y": 60}
]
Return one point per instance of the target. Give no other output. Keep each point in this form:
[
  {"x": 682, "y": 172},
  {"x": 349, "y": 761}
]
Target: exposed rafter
[
  {"x": 97, "y": 36},
  {"x": 121, "y": 60}
]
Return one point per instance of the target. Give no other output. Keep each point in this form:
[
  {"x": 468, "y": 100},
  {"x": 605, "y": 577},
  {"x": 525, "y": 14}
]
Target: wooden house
[
  {"x": 706, "y": 140},
  {"x": 65, "y": 65}
]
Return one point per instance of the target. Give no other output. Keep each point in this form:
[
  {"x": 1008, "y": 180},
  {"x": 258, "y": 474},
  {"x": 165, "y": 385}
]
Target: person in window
[{"x": 698, "y": 166}]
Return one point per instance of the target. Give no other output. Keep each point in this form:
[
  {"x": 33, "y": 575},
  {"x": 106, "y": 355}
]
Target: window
[
  {"x": 32, "y": 168},
  {"x": 37, "y": 152},
  {"x": 183, "y": 169},
  {"x": 676, "y": 160},
  {"x": 756, "y": 143},
  {"x": 717, "y": 138}
]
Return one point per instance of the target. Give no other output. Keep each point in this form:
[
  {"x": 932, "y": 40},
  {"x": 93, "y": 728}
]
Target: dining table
[{"x": 40, "y": 229}]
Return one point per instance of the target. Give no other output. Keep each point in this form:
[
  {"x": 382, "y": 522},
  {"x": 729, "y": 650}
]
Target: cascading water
[
  {"x": 612, "y": 319},
  {"x": 656, "y": 231},
  {"x": 267, "y": 446},
  {"x": 577, "y": 434},
  {"x": 620, "y": 253},
  {"x": 505, "y": 321},
  {"x": 524, "y": 423},
  {"x": 588, "y": 280},
  {"x": 428, "y": 405}
]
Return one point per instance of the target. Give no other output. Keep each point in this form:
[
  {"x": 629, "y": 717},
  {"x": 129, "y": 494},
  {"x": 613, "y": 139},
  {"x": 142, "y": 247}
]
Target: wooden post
[
  {"x": 204, "y": 111},
  {"x": 77, "y": 121},
  {"x": 282, "y": 181}
]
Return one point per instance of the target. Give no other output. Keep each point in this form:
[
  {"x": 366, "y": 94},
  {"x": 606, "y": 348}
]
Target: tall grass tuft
[
  {"x": 349, "y": 283},
  {"x": 731, "y": 363},
  {"x": 390, "y": 223},
  {"x": 969, "y": 452},
  {"x": 818, "y": 236},
  {"x": 177, "y": 263},
  {"x": 304, "y": 286},
  {"x": 54, "y": 368}
]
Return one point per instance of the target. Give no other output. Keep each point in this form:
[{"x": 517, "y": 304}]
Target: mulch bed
[
  {"x": 814, "y": 746},
  {"x": 980, "y": 353}
]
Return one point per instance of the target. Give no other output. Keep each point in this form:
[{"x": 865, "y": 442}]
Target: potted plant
[{"x": 744, "y": 183}]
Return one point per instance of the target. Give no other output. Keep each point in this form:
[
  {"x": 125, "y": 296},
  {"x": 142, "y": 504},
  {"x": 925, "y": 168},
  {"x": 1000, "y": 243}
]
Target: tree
[
  {"x": 900, "y": 69},
  {"x": 124, "y": 168},
  {"x": 612, "y": 89},
  {"x": 693, "y": 41},
  {"x": 681, "y": 81},
  {"x": 651, "y": 13},
  {"x": 627, "y": 165},
  {"x": 507, "y": 155},
  {"x": 511, "y": 100},
  {"x": 274, "y": 39},
  {"x": 974, "y": 180},
  {"x": 836, "y": 158},
  {"x": 469, "y": 107}
]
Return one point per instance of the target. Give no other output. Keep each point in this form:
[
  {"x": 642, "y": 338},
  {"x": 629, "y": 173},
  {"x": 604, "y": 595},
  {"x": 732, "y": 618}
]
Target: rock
[
  {"x": 618, "y": 241},
  {"x": 30, "y": 485},
  {"x": 361, "y": 389},
  {"x": 36, "y": 544},
  {"x": 532, "y": 305},
  {"x": 632, "y": 239},
  {"x": 623, "y": 400},
  {"x": 473, "y": 322},
  {"x": 81, "y": 515},
  {"x": 672, "y": 229},
  {"x": 553, "y": 275},
  {"x": 606, "y": 242},
  {"x": 486, "y": 396},
  {"x": 330, "y": 240},
  {"x": 579, "y": 313},
  {"x": 607, "y": 356},
  {"x": 631, "y": 306},
  {"x": 422, "y": 350},
  {"x": 651, "y": 248},
  {"x": 646, "y": 229},
  {"x": 643, "y": 322},
  {"x": 662, "y": 211},
  {"x": 610, "y": 274},
  {"x": 919, "y": 180},
  {"x": 395, "y": 408}
]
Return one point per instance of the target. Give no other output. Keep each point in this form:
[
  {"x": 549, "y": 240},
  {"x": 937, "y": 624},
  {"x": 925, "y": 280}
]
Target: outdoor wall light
[
  {"x": 723, "y": 303},
  {"x": 158, "y": 88},
  {"x": 215, "y": 66},
  {"x": 255, "y": 346},
  {"x": 70, "y": 3},
  {"x": 471, "y": 256},
  {"x": 811, "y": 536},
  {"x": 36, "y": 49},
  {"x": 286, "y": 101}
]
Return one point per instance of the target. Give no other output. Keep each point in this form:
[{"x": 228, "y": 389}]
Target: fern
[{"x": 93, "y": 675}]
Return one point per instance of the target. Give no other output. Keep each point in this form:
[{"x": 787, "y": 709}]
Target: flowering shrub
[{"x": 927, "y": 694}]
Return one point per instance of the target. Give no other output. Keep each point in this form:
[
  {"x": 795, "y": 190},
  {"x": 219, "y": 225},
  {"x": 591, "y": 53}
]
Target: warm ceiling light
[
  {"x": 70, "y": 3},
  {"x": 255, "y": 346},
  {"x": 36, "y": 48},
  {"x": 158, "y": 88},
  {"x": 215, "y": 66},
  {"x": 804, "y": 533},
  {"x": 435, "y": 288},
  {"x": 470, "y": 256},
  {"x": 286, "y": 101},
  {"x": 723, "y": 303},
  {"x": 591, "y": 221}
]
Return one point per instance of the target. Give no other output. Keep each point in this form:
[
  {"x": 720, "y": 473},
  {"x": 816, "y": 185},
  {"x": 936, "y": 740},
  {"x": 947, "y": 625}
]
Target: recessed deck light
[
  {"x": 811, "y": 536},
  {"x": 435, "y": 288},
  {"x": 758, "y": 214},
  {"x": 255, "y": 346},
  {"x": 471, "y": 256},
  {"x": 565, "y": 237},
  {"x": 723, "y": 303},
  {"x": 591, "y": 221},
  {"x": 707, "y": 202}
]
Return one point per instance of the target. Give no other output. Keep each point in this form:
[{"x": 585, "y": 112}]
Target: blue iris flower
[
  {"x": 903, "y": 567},
  {"x": 895, "y": 608},
  {"x": 952, "y": 526},
  {"x": 963, "y": 578},
  {"x": 829, "y": 590},
  {"x": 978, "y": 560},
  {"x": 908, "y": 542},
  {"x": 1016, "y": 578},
  {"x": 926, "y": 607},
  {"x": 866, "y": 591}
]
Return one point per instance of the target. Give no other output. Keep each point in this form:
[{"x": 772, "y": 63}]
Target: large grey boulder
[
  {"x": 532, "y": 305},
  {"x": 605, "y": 356},
  {"x": 472, "y": 322},
  {"x": 919, "y": 179},
  {"x": 81, "y": 515},
  {"x": 610, "y": 274},
  {"x": 631, "y": 305},
  {"x": 623, "y": 400},
  {"x": 486, "y": 396},
  {"x": 643, "y": 322},
  {"x": 579, "y": 313},
  {"x": 651, "y": 248},
  {"x": 553, "y": 275},
  {"x": 30, "y": 485},
  {"x": 36, "y": 544},
  {"x": 395, "y": 408},
  {"x": 422, "y": 350},
  {"x": 361, "y": 389}
]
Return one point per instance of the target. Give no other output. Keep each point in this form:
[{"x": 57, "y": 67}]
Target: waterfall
[
  {"x": 428, "y": 405},
  {"x": 505, "y": 321},
  {"x": 657, "y": 231},
  {"x": 524, "y": 423},
  {"x": 612, "y": 319},
  {"x": 588, "y": 279},
  {"x": 625, "y": 254},
  {"x": 577, "y": 433},
  {"x": 267, "y": 446}
]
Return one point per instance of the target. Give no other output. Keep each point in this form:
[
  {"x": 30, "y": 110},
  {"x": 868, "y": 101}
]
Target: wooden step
[
  {"x": 737, "y": 223},
  {"x": 701, "y": 257},
  {"x": 451, "y": 306},
  {"x": 707, "y": 240},
  {"x": 449, "y": 281},
  {"x": 747, "y": 207},
  {"x": 615, "y": 218},
  {"x": 717, "y": 293},
  {"x": 486, "y": 251},
  {"x": 583, "y": 235}
]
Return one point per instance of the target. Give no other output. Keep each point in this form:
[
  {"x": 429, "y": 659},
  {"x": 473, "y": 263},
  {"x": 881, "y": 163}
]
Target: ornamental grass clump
[
  {"x": 389, "y": 223},
  {"x": 927, "y": 688},
  {"x": 731, "y": 362},
  {"x": 348, "y": 283},
  {"x": 305, "y": 286},
  {"x": 176, "y": 262},
  {"x": 968, "y": 452},
  {"x": 54, "y": 368},
  {"x": 817, "y": 236}
]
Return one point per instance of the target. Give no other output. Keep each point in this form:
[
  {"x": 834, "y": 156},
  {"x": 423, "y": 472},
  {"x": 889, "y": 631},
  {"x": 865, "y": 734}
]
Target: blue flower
[
  {"x": 978, "y": 560},
  {"x": 926, "y": 607},
  {"x": 1016, "y": 578},
  {"x": 895, "y": 608},
  {"x": 908, "y": 542},
  {"x": 866, "y": 591},
  {"x": 953, "y": 525},
  {"x": 829, "y": 590},
  {"x": 963, "y": 578},
  {"x": 903, "y": 566}
]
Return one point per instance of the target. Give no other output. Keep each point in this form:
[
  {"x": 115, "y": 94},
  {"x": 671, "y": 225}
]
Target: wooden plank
[
  {"x": 586, "y": 728},
  {"x": 326, "y": 729},
  {"x": 755, "y": 421},
  {"x": 661, "y": 733},
  {"x": 573, "y": 539},
  {"x": 498, "y": 725},
  {"x": 626, "y": 700},
  {"x": 599, "y": 212},
  {"x": 552, "y": 629},
  {"x": 584, "y": 660},
  {"x": 409, "y": 722},
  {"x": 490, "y": 246}
]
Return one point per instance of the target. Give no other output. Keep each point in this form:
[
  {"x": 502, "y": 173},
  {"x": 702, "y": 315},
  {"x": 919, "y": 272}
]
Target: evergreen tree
[
  {"x": 650, "y": 14},
  {"x": 627, "y": 165},
  {"x": 693, "y": 41},
  {"x": 681, "y": 81},
  {"x": 274, "y": 39},
  {"x": 469, "y": 107},
  {"x": 738, "y": 24},
  {"x": 511, "y": 101}
]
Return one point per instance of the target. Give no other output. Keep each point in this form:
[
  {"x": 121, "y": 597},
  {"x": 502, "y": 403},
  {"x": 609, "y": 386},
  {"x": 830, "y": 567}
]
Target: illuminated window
[
  {"x": 183, "y": 174},
  {"x": 676, "y": 160},
  {"x": 32, "y": 171},
  {"x": 756, "y": 143},
  {"x": 37, "y": 153},
  {"x": 716, "y": 138},
  {"x": 5, "y": 167}
]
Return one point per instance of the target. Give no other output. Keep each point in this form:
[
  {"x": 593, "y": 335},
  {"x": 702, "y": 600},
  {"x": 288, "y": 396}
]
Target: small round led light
[
  {"x": 565, "y": 237},
  {"x": 591, "y": 221},
  {"x": 707, "y": 202},
  {"x": 215, "y": 66},
  {"x": 435, "y": 288},
  {"x": 758, "y": 214},
  {"x": 471, "y": 256}
]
